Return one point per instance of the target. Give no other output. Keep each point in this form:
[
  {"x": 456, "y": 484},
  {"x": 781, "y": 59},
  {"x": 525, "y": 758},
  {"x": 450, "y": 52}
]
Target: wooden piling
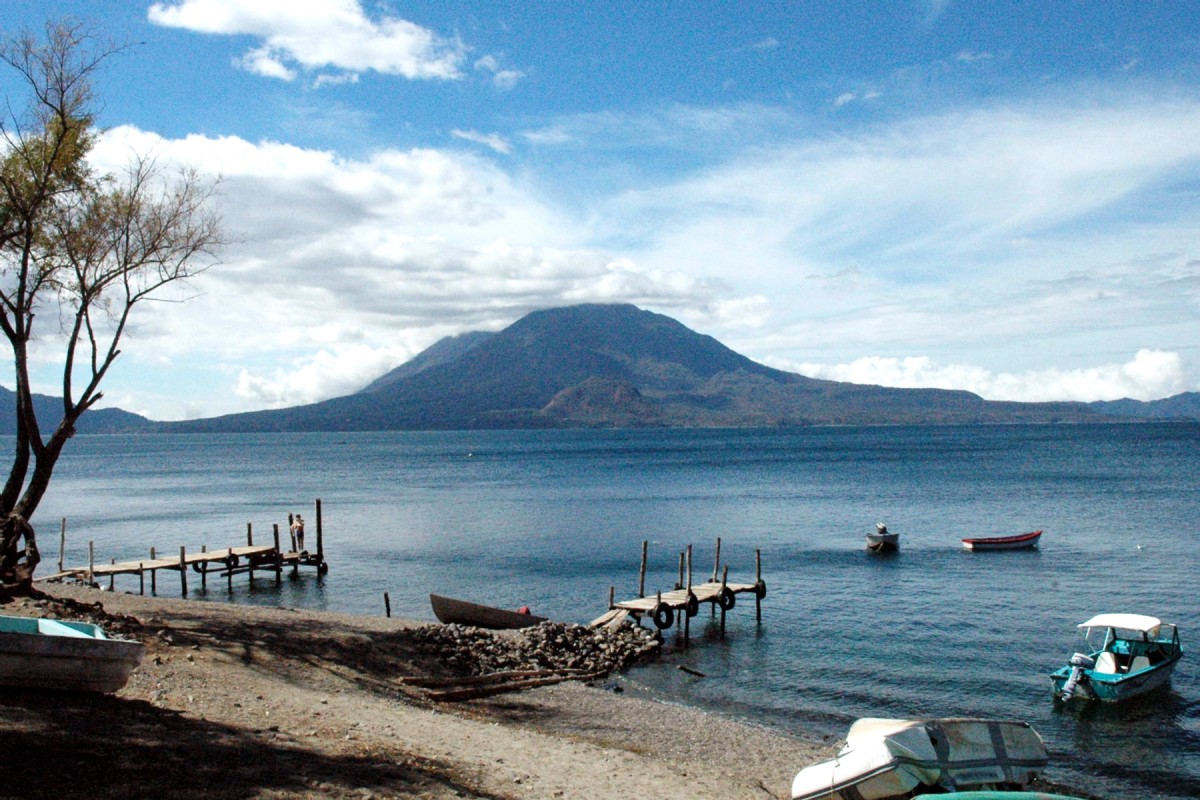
[
  {"x": 204, "y": 570},
  {"x": 62, "y": 543},
  {"x": 153, "y": 575},
  {"x": 249, "y": 534},
  {"x": 112, "y": 579},
  {"x": 717, "y": 563},
  {"x": 387, "y": 605},
  {"x": 278, "y": 555},
  {"x": 724, "y": 585},
  {"x": 183, "y": 570},
  {"x": 141, "y": 579},
  {"x": 91, "y": 562},
  {"x": 757, "y": 583},
  {"x": 320, "y": 539},
  {"x": 679, "y": 583},
  {"x": 687, "y": 618},
  {"x": 612, "y": 597},
  {"x": 642, "y": 572}
]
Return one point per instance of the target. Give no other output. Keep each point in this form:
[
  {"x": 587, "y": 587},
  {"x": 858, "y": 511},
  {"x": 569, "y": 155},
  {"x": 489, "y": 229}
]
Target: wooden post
[
  {"x": 141, "y": 579},
  {"x": 292, "y": 532},
  {"x": 320, "y": 541},
  {"x": 717, "y": 563},
  {"x": 229, "y": 573},
  {"x": 724, "y": 580},
  {"x": 687, "y": 620},
  {"x": 91, "y": 562},
  {"x": 62, "y": 544},
  {"x": 612, "y": 597},
  {"x": 278, "y": 555},
  {"x": 642, "y": 573},
  {"x": 679, "y": 583},
  {"x": 153, "y": 575},
  {"x": 204, "y": 568},
  {"x": 183, "y": 569},
  {"x": 387, "y": 605},
  {"x": 757, "y": 580},
  {"x": 112, "y": 576},
  {"x": 249, "y": 534}
]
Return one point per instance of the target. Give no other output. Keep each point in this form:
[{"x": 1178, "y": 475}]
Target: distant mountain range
[{"x": 615, "y": 366}]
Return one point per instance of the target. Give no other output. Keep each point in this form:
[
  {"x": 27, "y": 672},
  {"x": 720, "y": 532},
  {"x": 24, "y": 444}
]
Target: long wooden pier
[
  {"x": 683, "y": 602},
  {"x": 223, "y": 563}
]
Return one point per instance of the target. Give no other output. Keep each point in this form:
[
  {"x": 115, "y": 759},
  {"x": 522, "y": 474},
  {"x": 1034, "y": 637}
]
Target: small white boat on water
[
  {"x": 881, "y": 540},
  {"x": 55, "y": 654},
  {"x": 893, "y": 758}
]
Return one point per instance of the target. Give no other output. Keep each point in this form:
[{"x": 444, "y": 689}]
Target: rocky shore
[{"x": 548, "y": 646}]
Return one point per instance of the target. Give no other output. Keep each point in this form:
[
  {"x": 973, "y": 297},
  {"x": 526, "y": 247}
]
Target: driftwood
[{"x": 478, "y": 686}]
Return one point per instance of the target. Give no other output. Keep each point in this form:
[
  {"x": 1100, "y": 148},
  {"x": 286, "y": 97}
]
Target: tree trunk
[{"x": 17, "y": 563}]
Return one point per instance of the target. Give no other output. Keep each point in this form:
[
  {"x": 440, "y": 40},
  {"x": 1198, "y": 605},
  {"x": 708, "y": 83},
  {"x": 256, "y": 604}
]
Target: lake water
[{"x": 553, "y": 519}]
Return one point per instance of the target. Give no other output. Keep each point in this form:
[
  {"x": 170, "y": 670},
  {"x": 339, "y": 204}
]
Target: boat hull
[
  {"x": 883, "y": 542},
  {"x": 1115, "y": 688},
  {"x": 887, "y": 758},
  {"x": 1025, "y": 541},
  {"x": 47, "y": 654},
  {"x": 451, "y": 611}
]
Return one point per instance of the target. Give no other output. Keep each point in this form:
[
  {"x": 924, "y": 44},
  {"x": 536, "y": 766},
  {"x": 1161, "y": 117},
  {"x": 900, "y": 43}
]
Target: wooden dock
[
  {"x": 684, "y": 601},
  {"x": 223, "y": 563}
]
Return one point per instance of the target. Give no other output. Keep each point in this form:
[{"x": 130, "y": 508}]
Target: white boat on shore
[
  {"x": 72, "y": 656},
  {"x": 891, "y": 758}
]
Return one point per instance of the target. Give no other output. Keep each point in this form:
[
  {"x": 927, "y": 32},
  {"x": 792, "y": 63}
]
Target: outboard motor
[{"x": 1079, "y": 662}]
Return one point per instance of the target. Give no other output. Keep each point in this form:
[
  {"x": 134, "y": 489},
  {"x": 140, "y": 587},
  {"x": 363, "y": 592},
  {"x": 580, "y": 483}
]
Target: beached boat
[
  {"x": 894, "y": 758},
  {"x": 54, "y": 654},
  {"x": 462, "y": 612},
  {"x": 881, "y": 540},
  {"x": 1127, "y": 655},
  {"x": 990, "y": 795},
  {"x": 1021, "y": 541}
]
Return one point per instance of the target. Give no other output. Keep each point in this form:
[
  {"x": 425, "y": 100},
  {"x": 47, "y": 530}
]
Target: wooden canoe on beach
[
  {"x": 1022, "y": 541},
  {"x": 450, "y": 611},
  {"x": 72, "y": 656}
]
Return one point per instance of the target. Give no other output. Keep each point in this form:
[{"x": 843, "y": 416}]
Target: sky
[{"x": 1002, "y": 197}]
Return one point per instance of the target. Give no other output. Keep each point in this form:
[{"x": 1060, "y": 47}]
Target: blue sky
[{"x": 1001, "y": 197}]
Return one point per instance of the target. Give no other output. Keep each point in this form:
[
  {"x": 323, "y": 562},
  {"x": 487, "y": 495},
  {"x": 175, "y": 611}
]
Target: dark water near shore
[{"x": 553, "y": 519}]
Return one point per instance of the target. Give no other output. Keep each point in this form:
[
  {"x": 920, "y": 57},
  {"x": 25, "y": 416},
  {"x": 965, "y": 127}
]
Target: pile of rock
[{"x": 548, "y": 646}]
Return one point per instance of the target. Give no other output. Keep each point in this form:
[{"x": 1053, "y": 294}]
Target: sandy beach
[{"x": 242, "y": 701}]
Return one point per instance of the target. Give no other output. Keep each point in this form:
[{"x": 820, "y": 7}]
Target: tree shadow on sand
[{"x": 66, "y": 745}]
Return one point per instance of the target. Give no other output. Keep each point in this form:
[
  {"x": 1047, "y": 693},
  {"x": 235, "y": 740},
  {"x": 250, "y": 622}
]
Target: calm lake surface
[{"x": 553, "y": 519}]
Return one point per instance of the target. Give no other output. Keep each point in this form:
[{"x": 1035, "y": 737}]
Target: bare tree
[{"x": 81, "y": 249}]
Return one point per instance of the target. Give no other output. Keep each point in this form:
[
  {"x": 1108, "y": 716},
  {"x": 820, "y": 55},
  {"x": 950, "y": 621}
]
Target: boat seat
[
  {"x": 1106, "y": 664},
  {"x": 1139, "y": 663}
]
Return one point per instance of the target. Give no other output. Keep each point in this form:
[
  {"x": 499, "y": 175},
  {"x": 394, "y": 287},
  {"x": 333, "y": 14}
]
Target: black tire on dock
[
  {"x": 664, "y": 615},
  {"x": 693, "y": 605},
  {"x": 726, "y": 599},
  {"x": 760, "y": 589},
  {"x": 323, "y": 568}
]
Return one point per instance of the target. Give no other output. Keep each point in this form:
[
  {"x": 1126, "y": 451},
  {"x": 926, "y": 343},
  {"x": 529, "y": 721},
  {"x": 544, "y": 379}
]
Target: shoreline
[{"x": 239, "y": 700}]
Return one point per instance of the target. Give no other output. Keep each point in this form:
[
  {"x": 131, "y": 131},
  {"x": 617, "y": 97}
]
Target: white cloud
[
  {"x": 503, "y": 79},
  {"x": 315, "y": 34},
  {"x": 493, "y": 140},
  {"x": 1151, "y": 374}
]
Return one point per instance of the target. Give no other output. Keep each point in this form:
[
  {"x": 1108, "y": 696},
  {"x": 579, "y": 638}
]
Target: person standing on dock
[{"x": 298, "y": 532}]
